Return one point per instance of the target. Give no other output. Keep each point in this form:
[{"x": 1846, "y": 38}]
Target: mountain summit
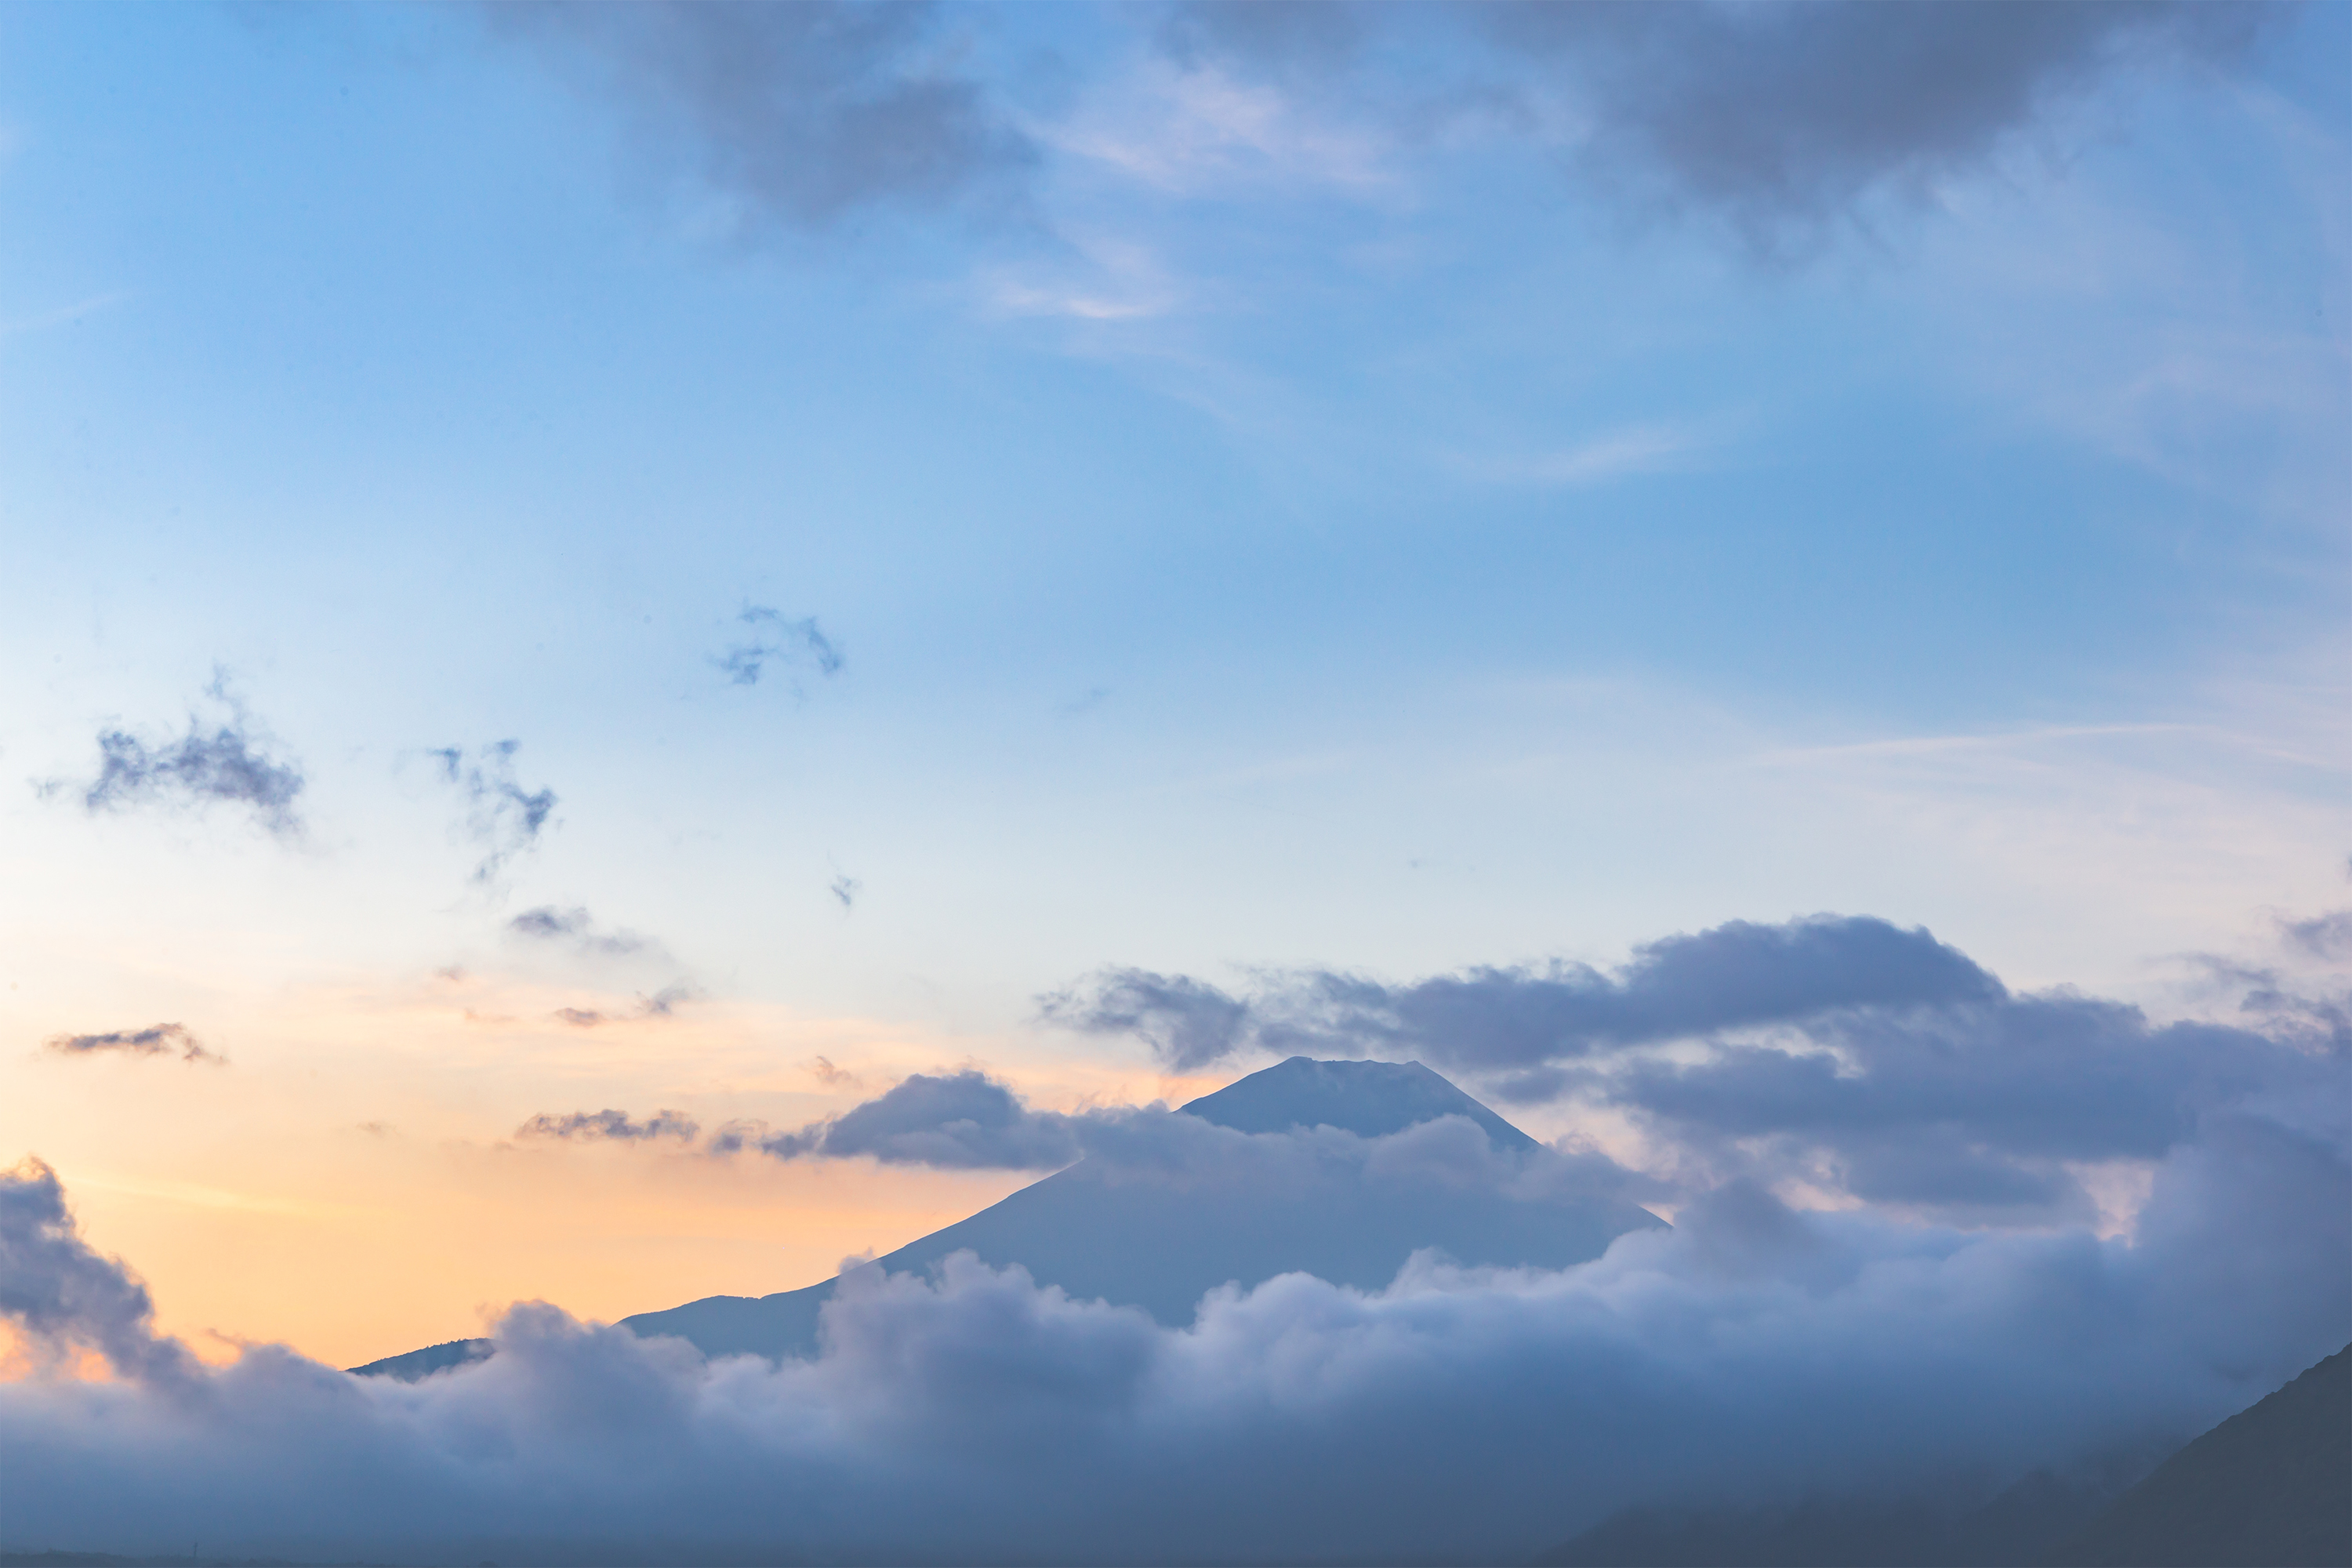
[{"x": 1338, "y": 1169}]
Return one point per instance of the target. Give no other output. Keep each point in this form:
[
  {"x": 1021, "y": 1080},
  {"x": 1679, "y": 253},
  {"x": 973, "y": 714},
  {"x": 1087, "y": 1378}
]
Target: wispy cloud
[
  {"x": 1610, "y": 455},
  {"x": 502, "y": 816},
  {"x": 662, "y": 1004},
  {"x": 225, "y": 761},
  {"x": 777, "y": 641},
  {"x": 155, "y": 1040},
  {"x": 576, "y": 928},
  {"x": 610, "y": 1126}
]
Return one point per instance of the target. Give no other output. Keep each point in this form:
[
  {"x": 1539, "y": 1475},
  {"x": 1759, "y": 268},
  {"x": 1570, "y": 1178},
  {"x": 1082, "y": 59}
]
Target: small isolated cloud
[
  {"x": 662, "y": 1004},
  {"x": 221, "y": 761},
  {"x": 155, "y": 1040},
  {"x": 796, "y": 117},
  {"x": 575, "y": 928},
  {"x": 845, "y": 889},
  {"x": 502, "y": 816},
  {"x": 773, "y": 640},
  {"x": 611, "y": 1126}
]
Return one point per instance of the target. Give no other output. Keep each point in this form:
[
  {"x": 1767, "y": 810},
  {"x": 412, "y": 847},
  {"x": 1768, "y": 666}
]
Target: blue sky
[{"x": 1404, "y": 493}]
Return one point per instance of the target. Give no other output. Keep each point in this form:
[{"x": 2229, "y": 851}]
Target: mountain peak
[{"x": 1370, "y": 1099}]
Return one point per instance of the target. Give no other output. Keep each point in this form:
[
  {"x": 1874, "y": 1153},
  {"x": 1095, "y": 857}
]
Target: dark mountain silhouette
[
  {"x": 2269, "y": 1488},
  {"x": 1160, "y": 1236}
]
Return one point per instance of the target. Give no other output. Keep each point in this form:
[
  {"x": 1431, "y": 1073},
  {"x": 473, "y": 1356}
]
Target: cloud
[
  {"x": 963, "y": 1120},
  {"x": 1752, "y": 1354},
  {"x": 1489, "y": 1019},
  {"x": 845, "y": 889},
  {"x": 1838, "y": 1054},
  {"x": 611, "y": 1126},
  {"x": 503, "y": 817},
  {"x": 663, "y": 1004},
  {"x": 64, "y": 1297},
  {"x": 156, "y": 1040},
  {"x": 576, "y": 928},
  {"x": 2328, "y": 936},
  {"x": 775, "y": 640},
  {"x": 1187, "y": 1023},
  {"x": 796, "y": 116},
  {"x": 1779, "y": 116},
  {"x": 217, "y": 762}
]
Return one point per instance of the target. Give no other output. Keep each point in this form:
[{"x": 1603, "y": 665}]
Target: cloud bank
[
  {"x": 1753, "y": 1352},
  {"x": 1844, "y": 1054},
  {"x": 156, "y": 1040}
]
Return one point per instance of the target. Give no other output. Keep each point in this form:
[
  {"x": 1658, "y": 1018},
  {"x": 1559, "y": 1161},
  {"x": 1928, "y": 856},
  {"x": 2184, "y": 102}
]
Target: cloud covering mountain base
[{"x": 1753, "y": 1351}]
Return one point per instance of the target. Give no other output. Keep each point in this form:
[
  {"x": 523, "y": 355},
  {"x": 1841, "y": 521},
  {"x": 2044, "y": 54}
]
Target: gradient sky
[{"x": 1390, "y": 490}]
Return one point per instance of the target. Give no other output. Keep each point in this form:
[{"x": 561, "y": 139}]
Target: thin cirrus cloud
[
  {"x": 796, "y": 116},
  {"x": 155, "y": 1040},
  {"x": 221, "y": 762},
  {"x": 502, "y": 818},
  {"x": 1472, "y": 1414}
]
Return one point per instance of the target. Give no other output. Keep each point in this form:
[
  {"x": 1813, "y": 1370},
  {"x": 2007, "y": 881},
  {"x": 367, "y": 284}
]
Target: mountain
[
  {"x": 2269, "y": 1488},
  {"x": 1163, "y": 1224}
]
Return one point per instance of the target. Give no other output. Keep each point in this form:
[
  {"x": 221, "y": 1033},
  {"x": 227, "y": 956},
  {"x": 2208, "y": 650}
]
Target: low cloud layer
[
  {"x": 155, "y": 1040},
  {"x": 502, "y": 818},
  {"x": 218, "y": 761},
  {"x": 797, "y": 115},
  {"x": 1751, "y": 1353}
]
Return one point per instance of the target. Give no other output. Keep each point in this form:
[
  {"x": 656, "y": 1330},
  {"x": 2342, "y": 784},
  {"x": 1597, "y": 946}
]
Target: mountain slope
[
  {"x": 2269, "y": 1488},
  {"x": 1186, "y": 1210}
]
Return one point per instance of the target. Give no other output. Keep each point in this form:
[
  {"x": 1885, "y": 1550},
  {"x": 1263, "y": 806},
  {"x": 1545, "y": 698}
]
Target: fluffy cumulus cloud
[
  {"x": 1752, "y": 1351},
  {"x": 225, "y": 761},
  {"x": 799, "y": 115},
  {"x": 155, "y": 1040}
]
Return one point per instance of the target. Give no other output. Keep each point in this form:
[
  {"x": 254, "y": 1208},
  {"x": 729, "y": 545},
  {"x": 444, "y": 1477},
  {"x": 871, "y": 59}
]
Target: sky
[{"x": 1764, "y": 586}]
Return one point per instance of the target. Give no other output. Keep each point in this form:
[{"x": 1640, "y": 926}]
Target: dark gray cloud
[
  {"x": 155, "y": 1040},
  {"x": 775, "y": 641},
  {"x": 1494, "y": 1019},
  {"x": 502, "y": 816},
  {"x": 963, "y": 1120},
  {"x": 802, "y": 114},
  {"x": 1188, "y": 1023},
  {"x": 217, "y": 762},
  {"x": 611, "y": 1126},
  {"x": 576, "y": 928},
  {"x": 1457, "y": 1416},
  {"x": 65, "y": 1297},
  {"x": 1847, "y": 1054},
  {"x": 1785, "y": 114}
]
